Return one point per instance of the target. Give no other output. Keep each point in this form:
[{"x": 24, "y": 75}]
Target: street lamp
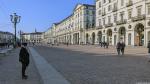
[{"x": 15, "y": 19}]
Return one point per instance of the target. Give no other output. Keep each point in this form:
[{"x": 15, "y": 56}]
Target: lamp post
[{"x": 15, "y": 19}]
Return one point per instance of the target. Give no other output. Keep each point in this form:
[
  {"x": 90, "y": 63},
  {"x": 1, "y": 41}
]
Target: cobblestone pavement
[
  {"x": 96, "y": 49},
  {"x": 88, "y": 68},
  {"x": 10, "y": 70}
]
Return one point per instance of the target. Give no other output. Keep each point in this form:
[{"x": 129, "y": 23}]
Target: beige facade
[
  {"x": 72, "y": 29},
  {"x": 128, "y": 20},
  {"x": 108, "y": 21},
  {"x": 6, "y": 37},
  {"x": 35, "y": 37}
]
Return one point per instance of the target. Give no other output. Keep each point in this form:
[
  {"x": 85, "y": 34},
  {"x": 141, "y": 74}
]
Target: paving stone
[
  {"x": 80, "y": 67},
  {"x": 10, "y": 70}
]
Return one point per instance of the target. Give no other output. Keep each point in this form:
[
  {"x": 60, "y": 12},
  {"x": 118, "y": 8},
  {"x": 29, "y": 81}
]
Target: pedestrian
[
  {"x": 148, "y": 46},
  {"x": 104, "y": 44},
  {"x": 101, "y": 44},
  {"x": 67, "y": 43},
  {"x": 33, "y": 43},
  {"x": 118, "y": 47},
  {"x": 122, "y": 47},
  {"x": 24, "y": 59},
  {"x": 107, "y": 44}
]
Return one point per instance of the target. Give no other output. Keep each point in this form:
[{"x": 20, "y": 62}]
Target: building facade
[
  {"x": 72, "y": 29},
  {"x": 47, "y": 36},
  {"x": 6, "y": 37},
  {"x": 108, "y": 21},
  {"x": 127, "y": 20},
  {"x": 35, "y": 37}
]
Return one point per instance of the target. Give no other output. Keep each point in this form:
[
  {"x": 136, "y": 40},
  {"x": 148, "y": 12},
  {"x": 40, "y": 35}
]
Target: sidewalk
[
  {"x": 96, "y": 49},
  {"x": 10, "y": 70},
  {"x": 48, "y": 74}
]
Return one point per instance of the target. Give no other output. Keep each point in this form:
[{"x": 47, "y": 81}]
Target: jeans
[
  {"x": 122, "y": 51},
  {"x": 24, "y": 66},
  {"x": 118, "y": 50}
]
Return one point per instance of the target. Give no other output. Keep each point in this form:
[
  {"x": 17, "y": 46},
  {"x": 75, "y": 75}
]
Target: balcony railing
[
  {"x": 99, "y": 27},
  {"x": 108, "y": 25},
  {"x": 114, "y": 9},
  {"x": 121, "y": 22},
  {"x": 88, "y": 29},
  {"x": 138, "y": 18},
  {"x": 130, "y": 3}
]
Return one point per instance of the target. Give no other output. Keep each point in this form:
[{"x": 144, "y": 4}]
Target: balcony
[
  {"x": 138, "y": 18},
  {"x": 130, "y": 3},
  {"x": 108, "y": 25},
  {"x": 88, "y": 29},
  {"x": 99, "y": 27},
  {"x": 114, "y": 9},
  {"x": 121, "y": 22}
]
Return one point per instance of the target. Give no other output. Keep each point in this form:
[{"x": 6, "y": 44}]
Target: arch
[
  {"x": 115, "y": 39},
  {"x": 139, "y": 34},
  {"x": 122, "y": 34},
  {"x": 148, "y": 39},
  {"x": 109, "y": 36},
  {"x": 99, "y": 34},
  {"x": 109, "y": 32},
  {"x": 87, "y": 38},
  {"x": 93, "y": 38}
]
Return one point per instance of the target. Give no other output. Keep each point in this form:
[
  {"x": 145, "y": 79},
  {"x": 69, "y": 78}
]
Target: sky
[{"x": 36, "y": 14}]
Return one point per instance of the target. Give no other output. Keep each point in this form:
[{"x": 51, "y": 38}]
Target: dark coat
[
  {"x": 118, "y": 45},
  {"x": 122, "y": 45},
  {"x": 148, "y": 46},
  {"x": 24, "y": 56}
]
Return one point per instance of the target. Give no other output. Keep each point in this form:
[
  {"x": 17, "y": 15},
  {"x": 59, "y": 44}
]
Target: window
[
  {"x": 104, "y": 11},
  {"x": 115, "y": 17},
  {"x": 87, "y": 12},
  {"x": 99, "y": 22},
  {"x": 81, "y": 13},
  {"x": 87, "y": 19},
  {"x": 109, "y": 19},
  {"x": 121, "y": 15},
  {"x": 109, "y": 7},
  {"x": 149, "y": 9},
  {"x": 93, "y": 12},
  {"x": 129, "y": 14},
  {"x": 104, "y": 1},
  {"x": 122, "y": 2},
  {"x": 80, "y": 24},
  {"x": 139, "y": 11},
  {"x": 115, "y": 5},
  {"x": 99, "y": 12},
  {"x": 99, "y": 4},
  {"x": 103, "y": 21},
  {"x": 78, "y": 16}
]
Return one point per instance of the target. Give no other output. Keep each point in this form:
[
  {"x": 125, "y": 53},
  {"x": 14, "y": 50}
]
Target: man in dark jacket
[
  {"x": 24, "y": 59},
  {"x": 122, "y": 47},
  {"x": 118, "y": 47},
  {"x": 148, "y": 46}
]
